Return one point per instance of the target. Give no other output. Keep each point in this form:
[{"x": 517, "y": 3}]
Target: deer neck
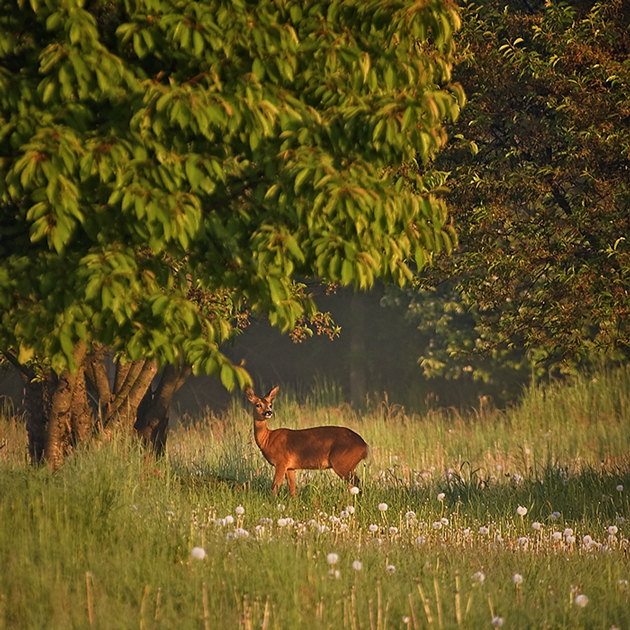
[{"x": 261, "y": 433}]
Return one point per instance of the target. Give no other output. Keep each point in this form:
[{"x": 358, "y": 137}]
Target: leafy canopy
[{"x": 150, "y": 148}]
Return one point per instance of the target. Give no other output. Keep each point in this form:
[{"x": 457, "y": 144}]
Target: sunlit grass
[{"x": 516, "y": 518}]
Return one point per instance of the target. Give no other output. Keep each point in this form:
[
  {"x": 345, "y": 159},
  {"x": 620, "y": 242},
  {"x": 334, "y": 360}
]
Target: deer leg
[
  {"x": 277, "y": 478},
  {"x": 291, "y": 481}
]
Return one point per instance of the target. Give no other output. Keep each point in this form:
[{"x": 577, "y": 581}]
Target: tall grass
[{"x": 106, "y": 541}]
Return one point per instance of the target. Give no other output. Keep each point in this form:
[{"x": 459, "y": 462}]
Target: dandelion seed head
[
  {"x": 537, "y": 526},
  {"x": 440, "y": 497},
  {"x": 350, "y": 509},
  {"x": 382, "y": 507},
  {"x": 198, "y": 553},
  {"x": 613, "y": 530},
  {"x": 229, "y": 519},
  {"x": 420, "y": 540},
  {"x": 373, "y": 528},
  {"x": 240, "y": 510},
  {"x": 555, "y": 516},
  {"x": 390, "y": 569},
  {"x": 567, "y": 532},
  {"x": 557, "y": 536},
  {"x": 570, "y": 540},
  {"x": 517, "y": 578},
  {"x": 332, "y": 558},
  {"x": 581, "y": 600},
  {"x": 479, "y": 576},
  {"x": 354, "y": 490},
  {"x": 620, "y": 488},
  {"x": 393, "y": 531},
  {"x": 497, "y": 622},
  {"x": 357, "y": 565},
  {"x": 521, "y": 511},
  {"x": 484, "y": 530},
  {"x": 444, "y": 521},
  {"x": 437, "y": 525}
]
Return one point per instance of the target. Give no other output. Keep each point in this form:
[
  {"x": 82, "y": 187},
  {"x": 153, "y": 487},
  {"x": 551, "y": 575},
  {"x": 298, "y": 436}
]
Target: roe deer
[{"x": 317, "y": 448}]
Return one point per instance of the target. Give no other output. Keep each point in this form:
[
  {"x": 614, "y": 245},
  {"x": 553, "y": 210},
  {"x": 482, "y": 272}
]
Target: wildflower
[
  {"x": 440, "y": 497},
  {"x": 556, "y": 536},
  {"x": 240, "y": 510},
  {"x": 619, "y": 488},
  {"x": 354, "y": 490},
  {"x": 581, "y": 600},
  {"x": 521, "y": 511},
  {"x": 537, "y": 526},
  {"x": 444, "y": 521},
  {"x": 497, "y": 622},
  {"x": 382, "y": 507},
  {"x": 373, "y": 528},
  {"x": 356, "y": 565},
  {"x": 198, "y": 553},
  {"x": 517, "y": 578},
  {"x": 390, "y": 569},
  {"x": 479, "y": 576}
]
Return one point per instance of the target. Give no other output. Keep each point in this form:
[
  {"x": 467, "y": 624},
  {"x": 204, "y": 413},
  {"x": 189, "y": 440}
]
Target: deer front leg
[
  {"x": 277, "y": 478},
  {"x": 291, "y": 481}
]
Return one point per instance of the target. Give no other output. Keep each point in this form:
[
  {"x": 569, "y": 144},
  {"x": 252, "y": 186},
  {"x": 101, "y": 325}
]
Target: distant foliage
[{"x": 539, "y": 179}]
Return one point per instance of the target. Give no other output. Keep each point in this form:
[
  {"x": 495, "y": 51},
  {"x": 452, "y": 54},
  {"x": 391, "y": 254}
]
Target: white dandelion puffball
[
  {"x": 581, "y": 600},
  {"x": 410, "y": 516},
  {"x": 537, "y": 526},
  {"x": 522, "y": 541},
  {"x": 521, "y": 511},
  {"x": 229, "y": 519},
  {"x": 282, "y": 522},
  {"x": 570, "y": 540},
  {"x": 557, "y": 536},
  {"x": 441, "y": 496},
  {"x": 382, "y": 507},
  {"x": 198, "y": 553},
  {"x": 350, "y": 509},
  {"x": 373, "y": 528},
  {"x": 393, "y": 531},
  {"x": 619, "y": 488},
  {"x": 444, "y": 521},
  {"x": 497, "y": 622},
  {"x": 437, "y": 525},
  {"x": 587, "y": 540},
  {"x": 332, "y": 558},
  {"x": 517, "y": 578},
  {"x": 555, "y": 516},
  {"x": 390, "y": 569},
  {"x": 354, "y": 490},
  {"x": 484, "y": 530},
  {"x": 612, "y": 530},
  {"x": 240, "y": 510},
  {"x": 479, "y": 576},
  {"x": 356, "y": 565},
  {"x": 567, "y": 532}
]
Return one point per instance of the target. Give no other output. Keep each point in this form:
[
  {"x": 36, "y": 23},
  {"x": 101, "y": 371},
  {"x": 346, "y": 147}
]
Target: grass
[{"x": 106, "y": 542}]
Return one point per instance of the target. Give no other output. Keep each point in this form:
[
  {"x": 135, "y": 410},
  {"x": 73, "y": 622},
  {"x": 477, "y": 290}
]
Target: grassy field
[{"x": 515, "y": 519}]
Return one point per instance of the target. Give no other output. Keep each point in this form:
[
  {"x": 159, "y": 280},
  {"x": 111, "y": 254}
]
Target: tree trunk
[
  {"x": 36, "y": 406},
  {"x": 135, "y": 384},
  {"x": 153, "y": 413},
  {"x": 81, "y": 416},
  {"x": 58, "y": 432}
]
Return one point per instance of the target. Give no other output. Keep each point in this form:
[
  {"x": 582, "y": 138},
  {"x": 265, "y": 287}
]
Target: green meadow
[{"x": 479, "y": 519}]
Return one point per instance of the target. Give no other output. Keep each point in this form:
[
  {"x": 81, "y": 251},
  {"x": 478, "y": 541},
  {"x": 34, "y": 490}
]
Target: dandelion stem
[
  {"x": 143, "y": 606},
  {"x": 265, "y": 622},
  {"x": 371, "y": 612},
  {"x": 491, "y": 607},
  {"x": 379, "y": 604},
  {"x": 425, "y": 603},
  {"x": 158, "y": 601},
  {"x": 413, "y": 613},
  {"x": 88, "y": 585},
  {"x": 206, "y": 608},
  {"x": 353, "y": 605},
  {"x": 458, "y": 610},
  {"x": 437, "y": 602}
]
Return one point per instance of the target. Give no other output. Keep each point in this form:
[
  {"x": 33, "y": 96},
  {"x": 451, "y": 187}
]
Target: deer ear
[
  {"x": 249, "y": 392},
  {"x": 272, "y": 394}
]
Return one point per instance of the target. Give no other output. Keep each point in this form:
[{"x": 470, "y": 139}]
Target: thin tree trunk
[
  {"x": 60, "y": 420},
  {"x": 81, "y": 417},
  {"x": 36, "y": 407},
  {"x": 124, "y": 407},
  {"x": 97, "y": 374},
  {"x": 153, "y": 413}
]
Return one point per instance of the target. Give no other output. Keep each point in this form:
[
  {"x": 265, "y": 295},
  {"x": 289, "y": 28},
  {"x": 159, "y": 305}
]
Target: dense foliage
[
  {"x": 154, "y": 147},
  {"x": 541, "y": 202}
]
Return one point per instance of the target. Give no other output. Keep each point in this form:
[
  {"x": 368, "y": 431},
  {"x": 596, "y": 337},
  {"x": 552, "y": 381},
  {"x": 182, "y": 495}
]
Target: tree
[
  {"x": 152, "y": 151},
  {"x": 539, "y": 186}
]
